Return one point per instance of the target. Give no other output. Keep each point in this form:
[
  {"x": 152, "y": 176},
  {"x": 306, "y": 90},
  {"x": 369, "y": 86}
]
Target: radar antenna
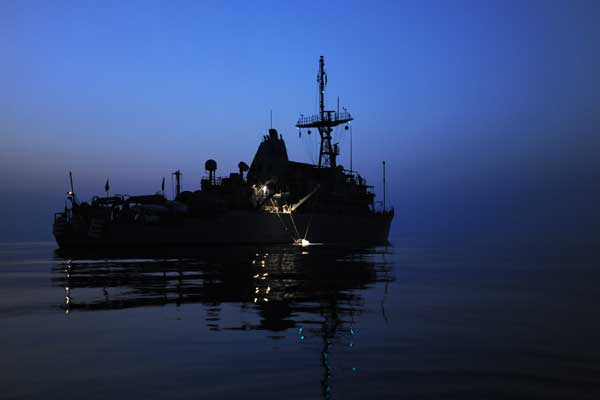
[{"x": 324, "y": 122}]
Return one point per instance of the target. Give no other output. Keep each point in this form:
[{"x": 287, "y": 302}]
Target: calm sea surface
[{"x": 406, "y": 321}]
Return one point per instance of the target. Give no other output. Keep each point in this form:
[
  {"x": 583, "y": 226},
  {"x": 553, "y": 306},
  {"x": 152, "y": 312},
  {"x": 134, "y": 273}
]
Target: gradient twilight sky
[{"x": 488, "y": 113}]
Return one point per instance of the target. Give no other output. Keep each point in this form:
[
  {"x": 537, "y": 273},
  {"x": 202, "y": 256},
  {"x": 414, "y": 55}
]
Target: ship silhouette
[{"x": 272, "y": 201}]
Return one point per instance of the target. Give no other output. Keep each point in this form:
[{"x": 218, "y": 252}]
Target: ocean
[{"x": 415, "y": 319}]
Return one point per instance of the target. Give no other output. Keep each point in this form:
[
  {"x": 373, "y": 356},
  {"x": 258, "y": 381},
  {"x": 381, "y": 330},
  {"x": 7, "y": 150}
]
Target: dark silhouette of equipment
[
  {"x": 384, "y": 189},
  {"x": 211, "y": 167},
  {"x": 177, "y": 182},
  {"x": 71, "y": 180},
  {"x": 243, "y": 167}
]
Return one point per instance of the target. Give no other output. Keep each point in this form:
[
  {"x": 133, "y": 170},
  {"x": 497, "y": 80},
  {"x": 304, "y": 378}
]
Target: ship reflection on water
[
  {"x": 314, "y": 292},
  {"x": 420, "y": 320},
  {"x": 278, "y": 280}
]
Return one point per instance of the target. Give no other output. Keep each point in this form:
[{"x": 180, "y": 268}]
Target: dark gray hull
[{"x": 233, "y": 227}]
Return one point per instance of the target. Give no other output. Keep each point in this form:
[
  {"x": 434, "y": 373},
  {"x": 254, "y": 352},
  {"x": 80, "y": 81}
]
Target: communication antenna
[
  {"x": 324, "y": 122},
  {"x": 383, "y": 186},
  {"x": 351, "y": 169},
  {"x": 177, "y": 182}
]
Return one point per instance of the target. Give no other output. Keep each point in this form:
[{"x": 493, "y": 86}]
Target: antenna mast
[
  {"x": 324, "y": 122},
  {"x": 177, "y": 182},
  {"x": 71, "y": 180},
  {"x": 384, "y": 186}
]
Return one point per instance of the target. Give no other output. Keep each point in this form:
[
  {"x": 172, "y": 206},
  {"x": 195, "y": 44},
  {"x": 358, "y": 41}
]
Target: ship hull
[{"x": 234, "y": 227}]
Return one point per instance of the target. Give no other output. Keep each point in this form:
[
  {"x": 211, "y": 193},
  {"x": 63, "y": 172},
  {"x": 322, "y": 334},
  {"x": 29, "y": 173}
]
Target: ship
[{"x": 273, "y": 201}]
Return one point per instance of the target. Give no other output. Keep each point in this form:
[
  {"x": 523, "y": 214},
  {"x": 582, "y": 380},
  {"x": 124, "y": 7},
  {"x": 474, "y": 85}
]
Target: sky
[{"x": 487, "y": 113}]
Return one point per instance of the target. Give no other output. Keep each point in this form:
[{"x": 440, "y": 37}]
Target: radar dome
[{"x": 210, "y": 165}]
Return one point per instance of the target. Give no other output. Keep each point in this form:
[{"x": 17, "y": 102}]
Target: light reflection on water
[
  {"x": 316, "y": 292},
  {"x": 417, "y": 320},
  {"x": 288, "y": 278}
]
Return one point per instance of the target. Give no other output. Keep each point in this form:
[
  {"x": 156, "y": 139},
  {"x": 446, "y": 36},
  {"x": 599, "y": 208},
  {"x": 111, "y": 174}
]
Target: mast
[
  {"x": 322, "y": 78},
  {"x": 71, "y": 195},
  {"x": 383, "y": 186},
  {"x": 324, "y": 122},
  {"x": 351, "y": 148},
  {"x": 326, "y": 154},
  {"x": 177, "y": 182},
  {"x": 71, "y": 180}
]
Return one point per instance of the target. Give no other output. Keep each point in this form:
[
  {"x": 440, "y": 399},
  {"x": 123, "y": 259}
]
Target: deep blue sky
[{"x": 488, "y": 113}]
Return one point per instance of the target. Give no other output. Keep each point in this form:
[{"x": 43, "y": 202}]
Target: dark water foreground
[{"x": 408, "y": 321}]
